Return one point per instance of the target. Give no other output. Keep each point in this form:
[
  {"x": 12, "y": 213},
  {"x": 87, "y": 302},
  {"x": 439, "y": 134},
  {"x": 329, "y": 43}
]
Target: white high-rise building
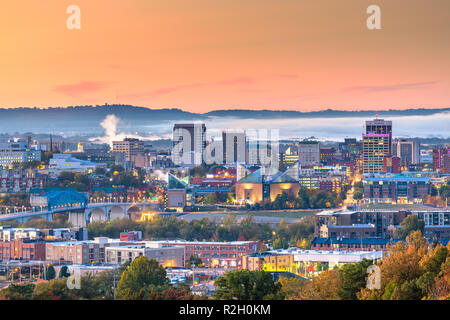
[{"x": 309, "y": 153}]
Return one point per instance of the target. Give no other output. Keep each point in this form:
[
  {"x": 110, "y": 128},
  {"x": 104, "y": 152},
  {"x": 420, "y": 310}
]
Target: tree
[
  {"x": 409, "y": 224},
  {"x": 194, "y": 261},
  {"x": 280, "y": 243},
  {"x": 211, "y": 198},
  {"x": 141, "y": 277},
  {"x": 17, "y": 292},
  {"x": 198, "y": 172},
  {"x": 64, "y": 272},
  {"x": 82, "y": 179},
  {"x": 50, "y": 273},
  {"x": 246, "y": 285},
  {"x": 66, "y": 176},
  {"x": 53, "y": 290},
  {"x": 323, "y": 287},
  {"x": 353, "y": 277},
  {"x": 290, "y": 287},
  {"x": 358, "y": 195},
  {"x": 100, "y": 171}
]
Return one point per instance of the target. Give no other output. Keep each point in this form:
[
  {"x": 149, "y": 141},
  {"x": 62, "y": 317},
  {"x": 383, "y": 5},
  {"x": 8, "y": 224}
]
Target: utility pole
[{"x": 114, "y": 284}]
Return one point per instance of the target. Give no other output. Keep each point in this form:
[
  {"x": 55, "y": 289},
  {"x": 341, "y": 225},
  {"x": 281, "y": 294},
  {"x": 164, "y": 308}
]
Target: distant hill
[
  {"x": 98, "y": 113},
  {"x": 135, "y": 112},
  {"x": 86, "y": 119},
  {"x": 329, "y": 113}
]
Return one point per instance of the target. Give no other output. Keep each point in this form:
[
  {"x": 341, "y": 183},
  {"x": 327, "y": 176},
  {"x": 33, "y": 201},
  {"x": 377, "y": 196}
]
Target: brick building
[
  {"x": 215, "y": 254},
  {"x": 16, "y": 180},
  {"x": 23, "y": 248}
]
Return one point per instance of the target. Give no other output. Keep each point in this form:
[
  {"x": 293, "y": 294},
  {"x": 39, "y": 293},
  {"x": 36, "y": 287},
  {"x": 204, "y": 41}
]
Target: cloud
[
  {"x": 78, "y": 89},
  {"x": 168, "y": 90},
  {"x": 394, "y": 87},
  {"x": 222, "y": 83},
  {"x": 285, "y": 75}
]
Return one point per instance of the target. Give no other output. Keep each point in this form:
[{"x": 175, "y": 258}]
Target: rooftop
[{"x": 359, "y": 225}]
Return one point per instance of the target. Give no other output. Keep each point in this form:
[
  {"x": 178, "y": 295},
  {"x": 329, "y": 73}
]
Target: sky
[{"x": 206, "y": 55}]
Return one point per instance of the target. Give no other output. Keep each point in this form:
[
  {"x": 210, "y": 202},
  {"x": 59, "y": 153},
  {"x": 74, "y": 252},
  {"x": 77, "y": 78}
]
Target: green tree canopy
[
  {"x": 409, "y": 224},
  {"x": 141, "y": 277},
  {"x": 246, "y": 285},
  {"x": 50, "y": 273},
  {"x": 64, "y": 272}
]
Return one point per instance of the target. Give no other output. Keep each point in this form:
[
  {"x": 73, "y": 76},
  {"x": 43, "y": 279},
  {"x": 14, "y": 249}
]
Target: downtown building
[
  {"x": 17, "y": 151},
  {"x": 309, "y": 153},
  {"x": 189, "y": 144},
  {"x": 441, "y": 159},
  {"x": 407, "y": 150},
  {"x": 376, "y": 145},
  {"x": 396, "y": 188},
  {"x": 16, "y": 180},
  {"x": 130, "y": 147}
]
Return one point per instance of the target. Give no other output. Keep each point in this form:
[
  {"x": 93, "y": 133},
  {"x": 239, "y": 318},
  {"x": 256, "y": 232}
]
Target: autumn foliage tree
[{"x": 141, "y": 278}]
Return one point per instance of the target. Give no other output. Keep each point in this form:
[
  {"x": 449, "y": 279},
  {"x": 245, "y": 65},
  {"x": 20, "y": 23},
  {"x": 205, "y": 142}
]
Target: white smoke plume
[
  {"x": 160, "y": 175},
  {"x": 110, "y": 124}
]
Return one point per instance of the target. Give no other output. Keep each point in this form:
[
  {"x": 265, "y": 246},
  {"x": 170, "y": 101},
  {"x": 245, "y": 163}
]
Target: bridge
[{"x": 81, "y": 215}]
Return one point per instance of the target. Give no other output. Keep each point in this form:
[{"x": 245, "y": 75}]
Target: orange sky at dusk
[{"x": 201, "y": 55}]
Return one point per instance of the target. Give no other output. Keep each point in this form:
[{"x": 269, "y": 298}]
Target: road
[
  {"x": 217, "y": 217},
  {"x": 349, "y": 200}
]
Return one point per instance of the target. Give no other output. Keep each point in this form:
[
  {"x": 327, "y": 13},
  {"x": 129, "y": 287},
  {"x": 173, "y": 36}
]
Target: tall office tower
[
  {"x": 407, "y": 150},
  {"x": 234, "y": 146},
  {"x": 130, "y": 146},
  {"x": 380, "y": 126},
  {"x": 309, "y": 153},
  {"x": 377, "y": 144},
  {"x": 189, "y": 143}
]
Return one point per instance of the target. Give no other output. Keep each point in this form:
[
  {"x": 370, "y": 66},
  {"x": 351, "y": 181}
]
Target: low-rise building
[
  {"x": 166, "y": 256},
  {"x": 22, "y": 248},
  {"x": 80, "y": 252},
  {"x": 66, "y": 162},
  {"x": 215, "y": 254},
  {"x": 269, "y": 261},
  {"x": 348, "y": 231},
  {"x": 352, "y": 244},
  {"x": 396, "y": 188},
  {"x": 437, "y": 232},
  {"x": 16, "y": 180}
]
